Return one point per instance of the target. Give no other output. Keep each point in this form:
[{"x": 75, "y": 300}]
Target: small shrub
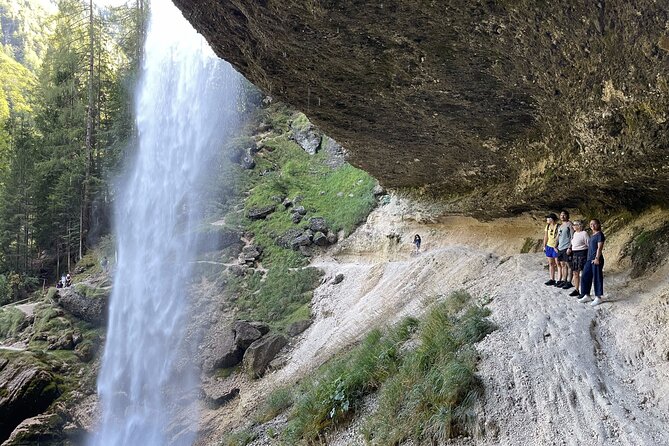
[
  {"x": 10, "y": 321},
  {"x": 241, "y": 438}
]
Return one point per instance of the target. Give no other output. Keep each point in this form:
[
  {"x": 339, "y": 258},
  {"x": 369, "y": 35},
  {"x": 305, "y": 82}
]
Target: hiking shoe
[
  {"x": 550, "y": 282},
  {"x": 585, "y": 299},
  {"x": 574, "y": 293},
  {"x": 567, "y": 285},
  {"x": 558, "y": 284},
  {"x": 598, "y": 300}
]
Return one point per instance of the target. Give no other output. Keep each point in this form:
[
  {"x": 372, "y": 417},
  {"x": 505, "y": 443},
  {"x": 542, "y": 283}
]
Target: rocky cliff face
[{"x": 491, "y": 107}]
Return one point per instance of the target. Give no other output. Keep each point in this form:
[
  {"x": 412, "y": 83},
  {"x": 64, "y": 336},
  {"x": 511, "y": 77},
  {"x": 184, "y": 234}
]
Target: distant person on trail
[
  {"x": 63, "y": 281},
  {"x": 550, "y": 245},
  {"x": 579, "y": 255},
  {"x": 565, "y": 233},
  {"x": 594, "y": 265},
  {"x": 68, "y": 280},
  {"x": 104, "y": 263},
  {"x": 416, "y": 242}
]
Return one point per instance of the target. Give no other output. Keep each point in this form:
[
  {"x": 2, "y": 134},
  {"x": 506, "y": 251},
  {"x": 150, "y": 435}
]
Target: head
[
  {"x": 564, "y": 215},
  {"x": 595, "y": 225},
  {"x": 578, "y": 225},
  {"x": 551, "y": 218}
]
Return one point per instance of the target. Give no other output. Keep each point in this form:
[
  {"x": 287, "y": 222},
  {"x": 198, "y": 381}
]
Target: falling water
[{"x": 185, "y": 106}]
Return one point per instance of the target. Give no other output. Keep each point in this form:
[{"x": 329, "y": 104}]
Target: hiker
[
  {"x": 416, "y": 242},
  {"x": 68, "y": 280},
  {"x": 565, "y": 233},
  {"x": 594, "y": 264},
  {"x": 579, "y": 255},
  {"x": 550, "y": 245},
  {"x": 63, "y": 280},
  {"x": 104, "y": 263}
]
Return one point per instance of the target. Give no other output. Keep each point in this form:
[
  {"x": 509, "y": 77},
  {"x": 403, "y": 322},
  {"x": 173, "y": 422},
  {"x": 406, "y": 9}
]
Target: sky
[{"x": 50, "y": 6}]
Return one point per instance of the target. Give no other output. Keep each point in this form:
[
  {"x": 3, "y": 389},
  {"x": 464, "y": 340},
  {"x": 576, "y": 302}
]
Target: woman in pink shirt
[{"x": 579, "y": 252}]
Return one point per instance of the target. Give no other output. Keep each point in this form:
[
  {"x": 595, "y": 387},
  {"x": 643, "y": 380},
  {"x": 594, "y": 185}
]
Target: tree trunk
[{"x": 90, "y": 125}]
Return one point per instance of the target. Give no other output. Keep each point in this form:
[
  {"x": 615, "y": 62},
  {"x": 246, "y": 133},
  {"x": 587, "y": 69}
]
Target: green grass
[
  {"x": 425, "y": 394},
  {"x": 647, "y": 250},
  {"x": 279, "y": 298},
  {"x": 276, "y": 403},
  {"x": 10, "y": 321},
  {"x": 240, "y": 438}
]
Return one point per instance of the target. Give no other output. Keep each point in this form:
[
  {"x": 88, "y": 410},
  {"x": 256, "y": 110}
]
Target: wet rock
[
  {"x": 318, "y": 224},
  {"x": 320, "y": 239},
  {"x": 261, "y": 353},
  {"x": 245, "y": 334},
  {"x": 91, "y": 308},
  {"x": 260, "y": 213},
  {"x": 298, "y": 327},
  {"x": 27, "y": 390},
  {"x": 41, "y": 429},
  {"x": 247, "y": 162}
]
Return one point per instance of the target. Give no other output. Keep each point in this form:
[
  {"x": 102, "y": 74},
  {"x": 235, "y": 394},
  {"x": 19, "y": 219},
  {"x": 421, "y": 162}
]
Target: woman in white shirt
[{"x": 579, "y": 255}]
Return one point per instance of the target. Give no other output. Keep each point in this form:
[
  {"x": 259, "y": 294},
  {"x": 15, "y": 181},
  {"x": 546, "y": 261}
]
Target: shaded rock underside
[{"x": 491, "y": 107}]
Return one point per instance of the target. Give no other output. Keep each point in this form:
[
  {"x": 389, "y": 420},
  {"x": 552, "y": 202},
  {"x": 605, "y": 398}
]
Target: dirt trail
[{"x": 555, "y": 372}]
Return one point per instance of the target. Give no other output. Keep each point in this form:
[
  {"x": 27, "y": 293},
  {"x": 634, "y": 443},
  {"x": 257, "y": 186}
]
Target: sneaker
[
  {"x": 550, "y": 282},
  {"x": 598, "y": 300},
  {"x": 558, "y": 284},
  {"x": 585, "y": 299},
  {"x": 567, "y": 285},
  {"x": 574, "y": 293}
]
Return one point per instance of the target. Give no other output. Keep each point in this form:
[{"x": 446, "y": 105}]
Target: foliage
[
  {"x": 277, "y": 297},
  {"x": 425, "y": 394},
  {"x": 241, "y": 438},
  {"x": 277, "y": 402},
  {"x": 10, "y": 320},
  {"x": 647, "y": 249}
]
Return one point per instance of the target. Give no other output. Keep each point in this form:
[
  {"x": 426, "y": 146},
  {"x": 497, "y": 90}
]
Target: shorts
[
  {"x": 563, "y": 256},
  {"x": 551, "y": 252},
  {"x": 578, "y": 259}
]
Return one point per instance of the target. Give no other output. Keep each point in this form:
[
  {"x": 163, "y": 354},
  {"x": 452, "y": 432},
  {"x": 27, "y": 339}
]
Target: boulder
[
  {"x": 238, "y": 270},
  {"x": 301, "y": 240},
  {"x": 91, "y": 308},
  {"x": 338, "y": 278},
  {"x": 298, "y": 327},
  {"x": 299, "y": 210},
  {"x": 41, "y": 429},
  {"x": 305, "y": 134},
  {"x": 262, "y": 327},
  {"x": 336, "y": 153},
  {"x": 296, "y": 218},
  {"x": 378, "y": 190},
  {"x": 62, "y": 342},
  {"x": 224, "y": 352},
  {"x": 261, "y": 352},
  {"x": 318, "y": 224},
  {"x": 287, "y": 203},
  {"x": 245, "y": 334},
  {"x": 85, "y": 351},
  {"x": 293, "y": 239},
  {"x": 27, "y": 390},
  {"x": 247, "y": 162},
  {"x": 260, "y": 213},
  {"x": 332, "y": 238},
  {"x": 320, "y": 239},
  {"x": 250, "y": 254}
]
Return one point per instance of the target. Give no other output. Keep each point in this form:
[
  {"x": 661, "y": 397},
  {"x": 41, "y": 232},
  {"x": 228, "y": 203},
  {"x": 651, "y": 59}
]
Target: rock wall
[{"x": 491, "y": 107}]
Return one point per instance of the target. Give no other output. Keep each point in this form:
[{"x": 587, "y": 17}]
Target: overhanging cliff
[{"x": 491, "y": 107}]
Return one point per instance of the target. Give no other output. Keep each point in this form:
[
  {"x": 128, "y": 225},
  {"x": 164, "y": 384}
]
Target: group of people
[
  {"x": 575, "y": 257},
  {"x": 64, "y": 281}
]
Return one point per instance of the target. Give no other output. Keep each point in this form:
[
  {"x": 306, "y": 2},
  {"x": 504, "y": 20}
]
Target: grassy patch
[
  {"x": 241, "y": 438},
  {"x": 425, "y": 394},
  {"x": 277, "y": 402},
  {"x": 10, "y": 321},
  {"x": 279, "y": 297},
  {"x": 530, "y": 245},
  {"x": 647, "y": 250}
]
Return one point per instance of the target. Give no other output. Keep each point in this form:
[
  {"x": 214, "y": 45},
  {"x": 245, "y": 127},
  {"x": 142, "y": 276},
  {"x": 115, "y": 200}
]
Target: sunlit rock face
[{"x": 491, "y": 107}]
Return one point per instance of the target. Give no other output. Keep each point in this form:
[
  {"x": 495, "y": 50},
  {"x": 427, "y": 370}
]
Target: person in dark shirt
[
  {"x": 592, "y": 271},
  {"x": 416, "y": 242}
]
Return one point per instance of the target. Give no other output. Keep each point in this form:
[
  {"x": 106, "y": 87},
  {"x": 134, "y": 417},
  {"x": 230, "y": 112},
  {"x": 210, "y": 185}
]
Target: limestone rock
[
  {"x": 298, "y": 327},
  {"x": 225, "y": 352},
  {"x": 27, "y": 390},
  {"x": 92, "y": 309},
  {"x": 305, "y": 134},
  {"x": 260, "y": 212},
  {"x": 251, "y": 254},
  {"x": 247, "y": 162},
  {"x": 296, "y": 218},
  {"x": 41, "y": 429},
  {"x": 318, "y": 224},
  {"x": 378, "y": 190},
  {"x": 299, "y": 210},
  {"x": 258, "y": 356},
  {"x": 339, "y": 278},
  {"x": 245, "y": 334},
  {"x": 320, "y": 239}
]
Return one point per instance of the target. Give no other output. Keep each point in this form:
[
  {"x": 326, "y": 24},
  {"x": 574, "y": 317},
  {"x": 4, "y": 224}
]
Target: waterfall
[{"x": 185, "y": 106}]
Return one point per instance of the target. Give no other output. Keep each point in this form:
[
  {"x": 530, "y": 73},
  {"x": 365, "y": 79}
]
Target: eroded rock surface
[{"x": 488, "y": 106}]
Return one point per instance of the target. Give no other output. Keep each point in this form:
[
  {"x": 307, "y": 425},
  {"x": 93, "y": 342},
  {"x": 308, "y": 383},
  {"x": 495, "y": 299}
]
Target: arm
[
  {"x": 545, "y": 237},
  {"x": 598, "y": 256}
]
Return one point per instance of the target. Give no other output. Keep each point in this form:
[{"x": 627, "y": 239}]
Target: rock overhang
[{"x": 489, "y": 108}]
